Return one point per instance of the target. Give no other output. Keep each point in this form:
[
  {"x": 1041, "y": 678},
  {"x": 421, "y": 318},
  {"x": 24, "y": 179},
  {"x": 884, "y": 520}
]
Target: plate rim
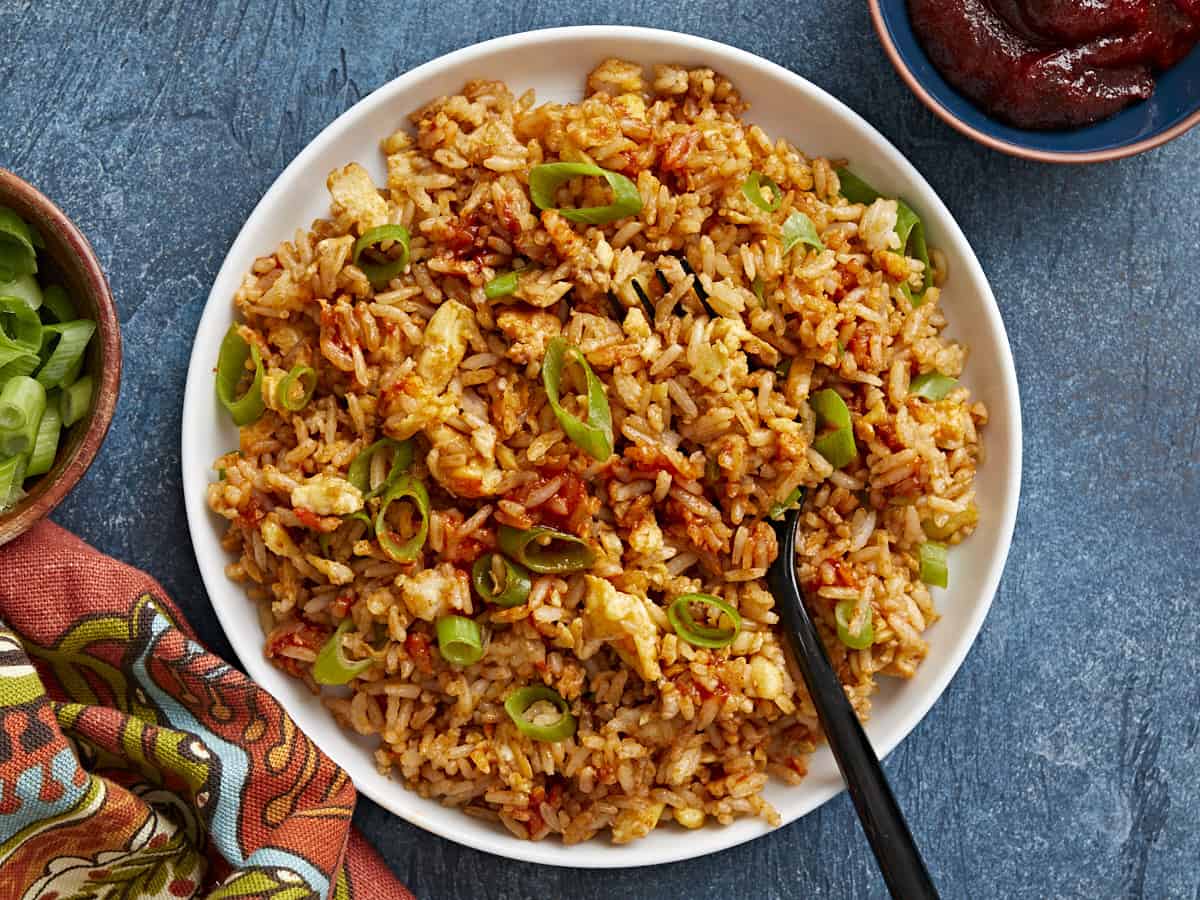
[{"x": 198, "y": 391}]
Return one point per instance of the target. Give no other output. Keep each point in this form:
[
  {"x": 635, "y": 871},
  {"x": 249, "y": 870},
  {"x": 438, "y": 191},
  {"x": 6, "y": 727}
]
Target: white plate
[{"x": 555, "y": 62}]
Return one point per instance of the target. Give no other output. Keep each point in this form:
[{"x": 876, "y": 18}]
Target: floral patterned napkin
[{"x": 134, "y": 763}]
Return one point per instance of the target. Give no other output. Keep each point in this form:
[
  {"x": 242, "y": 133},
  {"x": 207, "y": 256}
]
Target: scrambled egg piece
[
  {"x": 328, "y": 495},
  {"x": 445, "y": 343},
  {"x": 276, "y": 537},
  {"x": 637, "y": 822},
  {"x": 432, "y": 593},
  {"x": 624, "y": 620},
  {"x": 336, "y": 572},
  {"x": 528, "y": 331},
  {"x": 423, "y": 399},
  {"x": 353, "y": 190},
  {"x": 766, "y": 680}
]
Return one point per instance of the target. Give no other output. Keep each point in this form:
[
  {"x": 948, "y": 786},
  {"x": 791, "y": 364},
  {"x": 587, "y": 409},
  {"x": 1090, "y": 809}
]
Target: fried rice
[{"x": 712, "y": 429}]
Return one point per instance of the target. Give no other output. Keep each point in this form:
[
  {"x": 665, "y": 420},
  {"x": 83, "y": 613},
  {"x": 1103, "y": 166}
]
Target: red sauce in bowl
[{"x": 1055, "y": 63}]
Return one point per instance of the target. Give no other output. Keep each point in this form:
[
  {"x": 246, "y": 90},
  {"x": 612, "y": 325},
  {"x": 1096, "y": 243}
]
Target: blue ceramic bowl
[{"x": 1174, "y": 108}]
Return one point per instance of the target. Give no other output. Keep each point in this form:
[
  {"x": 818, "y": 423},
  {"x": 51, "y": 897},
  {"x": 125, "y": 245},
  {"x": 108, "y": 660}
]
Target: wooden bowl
[{"x": 69, "y": 260}]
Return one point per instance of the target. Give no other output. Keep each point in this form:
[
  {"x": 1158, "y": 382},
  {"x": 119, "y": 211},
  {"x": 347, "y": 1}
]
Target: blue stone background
[{"x": 1063, "y": 759}]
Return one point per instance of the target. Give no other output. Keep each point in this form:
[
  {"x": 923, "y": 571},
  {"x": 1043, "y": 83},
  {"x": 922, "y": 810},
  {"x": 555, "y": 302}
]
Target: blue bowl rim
[{"x": 1009, "y": 147}]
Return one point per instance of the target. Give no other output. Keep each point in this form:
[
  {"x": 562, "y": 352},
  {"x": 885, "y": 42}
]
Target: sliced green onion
[
  {"x": 58, "y": 304},
  {"x": 23, "y": 287},
  {"x": 519, "y": 702},
  {"x": 502, "y": 285},
  {"x": 860, "y": 638},
  {"x": 75, "y": 401},
  {"x": 909, "y": 227},
  {"x": 932, "y": 386},
  {"x": 362, "y": 516},
  {"x": 20, "y": 325},
  {"x": 641, "y": 292},
  {"x": 544, "y": 550},
  {"x": 45, "y": 442},
  {"x": 22, "y": 403},
  {"x": 331, "y": 665},
  {"x": 911, "y": 232},
  {"x": 546, "y": 179},
  {"x": 795, "y": 498},
  {"x": 680, "y": 615},
  {"x": 359, "y": 473},
  {"x": 835, "y": 436},
  {"x": 759, "y": 287},
  {"x": 405, "y": 487},
  {"x": 287, "y": 397},
  {"x": 231, "y": 366},
  {"x": 953, "y": 523},
  {"x": 379, "y": 274},
  {"x": 752, "y": 188},
  {"x": 460, "y": 640},
  {"x": 511, "y": 589},
  {"x": 932, "y": 558},
  {"x": 12, "y": 479},
  {"x": 855, "y": 189},
  {"x": 17, "y": 253},
  {"x": 595, "y": 435},
  {"x": 698, "y": 288},
  {"x": 782, "y": 368},
  {"x": 799, "y": 229},
  {"x": 67, "y": 355},
  {"x": 15, "y": 360}
]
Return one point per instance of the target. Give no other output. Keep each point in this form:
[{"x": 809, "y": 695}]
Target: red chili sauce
[{"x": 1055, "y": 63}]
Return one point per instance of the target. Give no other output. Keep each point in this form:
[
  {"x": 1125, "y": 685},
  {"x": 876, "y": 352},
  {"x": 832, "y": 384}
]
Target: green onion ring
[
  {"x": 231, "y": 365},
  {"x": 20, "y": 325},
  {"x": 364, "y": 517},
  {"x": 502, "y": 285},
  {"x": 836, "y": 443},
  {"x": 932, "y": 386},
  {"x": 379, "y": 274},
  {"x": 698, "y": 635},
  {"x": 544, "y": 550},
  {"x": 932, "y": 558},
  {"x": 909, "y": 227},
  {"x": 307, "y": 379},
  {"x": 518, "y": 704},
  {"x": 752, "y": 188},
  {"x": 359, "y": 473},
  {"x": 45, "y": 442},
  {"x": 843, "y": 613},
  {"x": 67, "y": 356},
  {"x": 594, "y": 436},
  {"x": 331, "y": 665},
  {"x": 513, "y": 591},
  {"x": 406, "y": 486},
  {"x": 759, "y": 287},
  {"x": 795, "y": 498},
  {"x": 546, "y": 179},
  {"x": 75, "y": 401},
  {"x": 12, "y": 480},
  {"x": 799, "y": 229},
  {"x": 460, "y": 640},
  {"x": 23, "y": 287},
  {"x": 17, "y": 254}
]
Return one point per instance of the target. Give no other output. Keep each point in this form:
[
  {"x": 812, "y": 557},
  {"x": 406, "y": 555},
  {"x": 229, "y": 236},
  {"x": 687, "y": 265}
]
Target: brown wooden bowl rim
[{"x": 44, "y": 498}]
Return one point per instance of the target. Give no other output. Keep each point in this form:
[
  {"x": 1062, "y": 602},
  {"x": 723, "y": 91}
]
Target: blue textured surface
[
  {"x": 1176, "y": 96},
  {"x": 1062, "y": 761}
]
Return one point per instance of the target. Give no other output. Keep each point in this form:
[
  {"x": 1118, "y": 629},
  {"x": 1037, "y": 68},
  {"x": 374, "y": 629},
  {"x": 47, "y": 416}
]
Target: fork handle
[{"x": 882, "y": 819}]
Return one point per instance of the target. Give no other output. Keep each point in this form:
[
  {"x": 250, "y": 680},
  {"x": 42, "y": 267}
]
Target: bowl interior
[
  {"x": 555, "y": 62},
  {"x": 1176, "y": 99},
  {"x": 68, "y": 259}
]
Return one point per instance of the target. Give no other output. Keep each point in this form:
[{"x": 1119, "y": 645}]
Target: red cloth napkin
[{"x": 134, "y": 763}]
